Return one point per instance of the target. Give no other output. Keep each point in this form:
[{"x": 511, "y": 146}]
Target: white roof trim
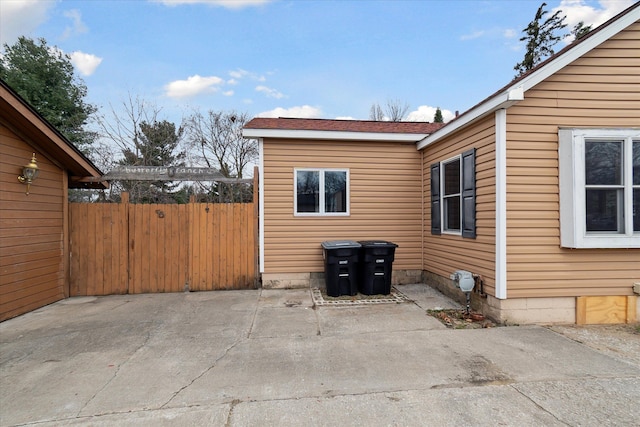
[
  {"x": 491, "y": 105},
  {"x": 333, "y": 135},
  {"x": 510, "y": 95}
]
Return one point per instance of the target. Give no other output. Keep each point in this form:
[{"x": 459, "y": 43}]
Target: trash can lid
[
  {"x": 378, "y": 244},
  {"x": 337, "y": 244}
]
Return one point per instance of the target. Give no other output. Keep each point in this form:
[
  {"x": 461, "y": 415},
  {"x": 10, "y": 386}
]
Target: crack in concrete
[
  {"x": 119, "y": 367},
  {"x": 472, "y": 383},
  {"x": 197, "y": 377},
  {"x": 318, "y": 328},
  {"x": 537, "y": 405},
  {"x": 234, "y": 403},
  {"x": 119, "y": 305},
  {"x": 112, "y": 413},
  {"x": 224, "y": 354},
  {"x": 255, "y": 315}
]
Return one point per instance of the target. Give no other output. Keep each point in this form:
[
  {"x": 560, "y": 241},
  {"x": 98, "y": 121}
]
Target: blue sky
[{"x": 295, "y": 58}]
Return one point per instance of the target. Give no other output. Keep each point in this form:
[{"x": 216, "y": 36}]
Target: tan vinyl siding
[
  {"x": 31, "y": 231},
  {"x": 385, "y": 201},
  {"x": 601, "y": 89},
  {"x": 444, "y": 254}
]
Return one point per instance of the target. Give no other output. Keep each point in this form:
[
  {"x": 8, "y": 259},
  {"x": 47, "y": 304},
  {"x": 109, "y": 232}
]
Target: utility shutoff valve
[{"x": 464, "y": 280}]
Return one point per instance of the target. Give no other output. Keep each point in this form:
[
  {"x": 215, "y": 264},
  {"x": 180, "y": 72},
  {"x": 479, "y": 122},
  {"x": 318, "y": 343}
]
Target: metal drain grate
[{"x": 395, "y": 297}]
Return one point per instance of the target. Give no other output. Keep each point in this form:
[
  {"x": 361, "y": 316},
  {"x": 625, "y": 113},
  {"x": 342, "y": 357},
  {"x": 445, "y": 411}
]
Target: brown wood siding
[
  {"x": 445, "y": 253},
  {"x": 119, "y": 248},
  {"x": 601, "y": 89},
  {"x": 385, "y": 202},
  {"x": 31, "y": 231}
]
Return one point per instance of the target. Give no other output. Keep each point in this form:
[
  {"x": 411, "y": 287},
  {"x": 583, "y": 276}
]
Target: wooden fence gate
[{"x": 120, "y": 248}]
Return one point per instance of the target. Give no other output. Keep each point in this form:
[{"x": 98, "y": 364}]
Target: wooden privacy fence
[{"x": 120, "y": 248}]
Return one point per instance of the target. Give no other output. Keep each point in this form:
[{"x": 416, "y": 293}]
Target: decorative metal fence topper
[{"x": 167, "y": 173}]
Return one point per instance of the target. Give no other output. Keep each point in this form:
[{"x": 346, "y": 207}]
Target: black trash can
[
  {"x": 376, "y": 260},
  {"x": 341, "y": 267}
]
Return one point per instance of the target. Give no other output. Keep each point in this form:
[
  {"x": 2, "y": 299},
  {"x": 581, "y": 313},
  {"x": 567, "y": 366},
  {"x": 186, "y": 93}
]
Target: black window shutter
[
  {"x": 435, "y": 198},
  {"x": 469, "y": 193}
]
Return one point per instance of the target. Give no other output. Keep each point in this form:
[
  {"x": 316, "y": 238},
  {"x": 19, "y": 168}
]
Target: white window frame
[
  {"x": 443, "y": 220},
  {"x": 321, "y": 172},
  {"x": 571, "y": 152}
]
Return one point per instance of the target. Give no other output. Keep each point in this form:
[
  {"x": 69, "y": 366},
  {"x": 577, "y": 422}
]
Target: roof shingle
[{"x": 284, "y": 123}]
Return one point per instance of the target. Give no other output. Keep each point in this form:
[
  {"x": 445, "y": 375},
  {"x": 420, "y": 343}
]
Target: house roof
[
  {"x": 515, "y": 90},
  {"x": 17, "y": 115},
  {"x": 352, "y": 130}
]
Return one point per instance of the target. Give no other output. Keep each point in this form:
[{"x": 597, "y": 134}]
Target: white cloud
[
  {"x": 426, "y": 113},
  {"x": 301, "y": 112},
  {"x": 229, "y": 4},
  {"x": 194, "y": 85},
  {"x": 22, "y": 17},
  {"x": 78, "y": 27},
  {"x": 510, "y": 33},
  {"x": 240, "y": 74},
  {"x": 228, "y": 93},
  {"x": 85, "y": 63},
  {"x": 578, "y": 11},
  {"x": 344, "y": 118},
  {"x": 474, "y": 35},
  {"x": 512, "y": 41},
  {"x": 269, "y": 92}
]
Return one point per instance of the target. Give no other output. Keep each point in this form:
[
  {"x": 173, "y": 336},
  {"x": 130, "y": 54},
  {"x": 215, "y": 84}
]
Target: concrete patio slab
[
  {"x": 266, "y": 357},
  {"x": 383, "y": 318}
]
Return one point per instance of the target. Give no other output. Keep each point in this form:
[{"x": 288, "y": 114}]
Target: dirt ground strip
[{"x": 460, "y": 319}]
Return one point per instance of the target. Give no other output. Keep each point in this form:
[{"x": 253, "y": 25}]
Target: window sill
[
  {"x": 314, "y": 215},
  {"x": 604, "y": 242}
]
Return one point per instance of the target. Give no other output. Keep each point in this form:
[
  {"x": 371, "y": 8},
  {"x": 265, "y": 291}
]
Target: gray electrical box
[{"x": 463, "y": 279}]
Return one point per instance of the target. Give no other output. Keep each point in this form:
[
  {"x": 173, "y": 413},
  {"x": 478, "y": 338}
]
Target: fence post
[
  {"x": 126, "y": 228},
  {"x": 190, "y": 241},
  {"x": 256, "y": 225}
]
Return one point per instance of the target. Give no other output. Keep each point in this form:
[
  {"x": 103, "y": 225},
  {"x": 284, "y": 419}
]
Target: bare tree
[
  {"x": 394, "y": 111},
  {"x": 122, "y": 127},
  {"x": 376, "y": 113},
  {"x": 218, "y": 137},
  {"x": 138, "y": 137}
]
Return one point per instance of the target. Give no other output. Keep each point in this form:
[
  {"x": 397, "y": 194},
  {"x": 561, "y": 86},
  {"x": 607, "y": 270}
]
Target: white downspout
[
  {"x": 261, "y": 202},
  {"x": 501, "y": 204}
]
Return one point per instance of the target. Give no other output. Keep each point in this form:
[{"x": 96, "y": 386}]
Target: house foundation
[
  {"x": 316, "y": 279},
  {"x": 544, "y": 310}
]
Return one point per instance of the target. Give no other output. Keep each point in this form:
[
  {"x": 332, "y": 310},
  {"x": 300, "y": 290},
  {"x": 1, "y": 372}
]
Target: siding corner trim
[{"x": 501, "y": 204}]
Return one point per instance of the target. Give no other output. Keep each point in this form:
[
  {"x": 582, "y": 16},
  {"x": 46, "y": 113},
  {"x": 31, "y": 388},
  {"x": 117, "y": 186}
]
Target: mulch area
[{"x": 459, "y": 319}]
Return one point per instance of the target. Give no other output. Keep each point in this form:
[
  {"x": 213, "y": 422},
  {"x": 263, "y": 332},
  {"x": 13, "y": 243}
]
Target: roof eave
[
  {"x": 504, "y": 100},
  {"x": 332, "y": 135},
  {"x": 32, "y": 125}
]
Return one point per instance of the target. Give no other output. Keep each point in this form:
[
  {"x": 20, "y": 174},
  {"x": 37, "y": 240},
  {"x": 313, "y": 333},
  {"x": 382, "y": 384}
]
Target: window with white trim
[
  {"x": 599, "y": 188},
  {"x": 453, "y": 195},
  {"x": 321, "y": 192}
]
